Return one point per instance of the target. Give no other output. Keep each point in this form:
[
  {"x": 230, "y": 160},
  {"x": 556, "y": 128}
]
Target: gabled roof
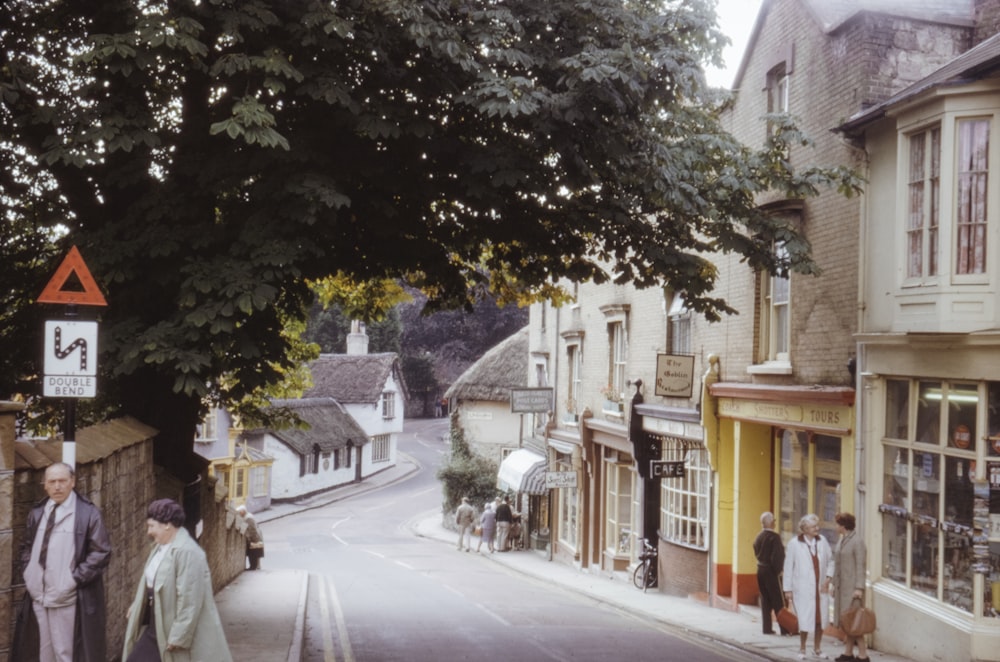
[
  {"x": 831, "y": 16},
  {"x": 499, "y": 370},
  {"x": 328, "y": 426},
  {"x": 978, "y": 62},
  {"x": 354, "y": 378}
]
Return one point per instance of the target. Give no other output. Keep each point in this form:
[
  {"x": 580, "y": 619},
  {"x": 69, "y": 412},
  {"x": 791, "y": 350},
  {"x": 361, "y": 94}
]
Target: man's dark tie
[{"x": 49, "y": 525}]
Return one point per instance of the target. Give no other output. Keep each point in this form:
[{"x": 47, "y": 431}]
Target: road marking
[
  {"x": 345, "y": 642},
  {"x": 496, "y": 616},
  {"x": 328, "y": 653}
]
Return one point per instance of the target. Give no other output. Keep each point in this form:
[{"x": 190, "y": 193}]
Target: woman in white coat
[
  {"x": 173, "y": 616},
  {"x": 807, "y": 573}
]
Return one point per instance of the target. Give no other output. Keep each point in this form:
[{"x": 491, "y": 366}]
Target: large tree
[{"x": 210, "y": 156}]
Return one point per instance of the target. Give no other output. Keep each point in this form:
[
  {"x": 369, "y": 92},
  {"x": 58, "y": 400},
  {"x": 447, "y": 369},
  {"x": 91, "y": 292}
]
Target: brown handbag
[
  {"x": 857, "y": 620},
  {"x": 788, "y": 620}
]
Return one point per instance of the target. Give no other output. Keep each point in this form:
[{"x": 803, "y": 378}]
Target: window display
[{"x": 929, "y": 504}]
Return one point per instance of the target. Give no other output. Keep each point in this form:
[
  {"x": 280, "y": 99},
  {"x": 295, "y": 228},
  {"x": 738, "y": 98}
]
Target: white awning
[{"x": 523, "y": 471}]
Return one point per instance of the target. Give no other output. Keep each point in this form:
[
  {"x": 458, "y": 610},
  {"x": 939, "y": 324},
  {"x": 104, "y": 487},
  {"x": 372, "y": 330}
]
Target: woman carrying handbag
[{"x": 849, "y": 583}]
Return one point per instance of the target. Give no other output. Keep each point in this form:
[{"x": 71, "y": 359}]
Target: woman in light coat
[
  {"x": 173, "y": 616},
  {"x": 807, "y": 573},
  {"x": 849, "y": 580}
]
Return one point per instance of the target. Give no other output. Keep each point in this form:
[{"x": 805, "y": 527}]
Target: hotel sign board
[{"x": 674, "y": 375}]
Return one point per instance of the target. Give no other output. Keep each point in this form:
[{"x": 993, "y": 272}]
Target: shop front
[
  {"x": 785, "y": 449},
  {"x": 522, "y": 472},
  {"x": 934, "y": 506}
]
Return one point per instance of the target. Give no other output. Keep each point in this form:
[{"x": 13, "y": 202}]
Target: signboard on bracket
[{"x": 530, "y": 400}]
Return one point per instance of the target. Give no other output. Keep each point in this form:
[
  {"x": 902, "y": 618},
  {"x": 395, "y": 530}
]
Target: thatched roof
[
  {"x": 498, "y": 371},
  {"x": 354, "y": 378},
  {"x": 327, "y": 426}
]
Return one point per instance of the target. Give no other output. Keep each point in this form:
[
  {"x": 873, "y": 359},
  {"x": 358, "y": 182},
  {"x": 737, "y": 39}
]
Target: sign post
[{"x": 71, "y": 345}]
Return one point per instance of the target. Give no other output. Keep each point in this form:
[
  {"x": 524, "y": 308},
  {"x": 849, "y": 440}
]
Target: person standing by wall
[
  {"x": 770, "y": 555},
  {"x": 807, "y": 573},
  {"x": 254, "y": 539},
  {"x": 465, "y": 518},
  {"x": 173, "y": 615},
  {"x": 63, "y": 556},
  {"x": 849, "y": 580},
  {"x": 504, "y": 518}
]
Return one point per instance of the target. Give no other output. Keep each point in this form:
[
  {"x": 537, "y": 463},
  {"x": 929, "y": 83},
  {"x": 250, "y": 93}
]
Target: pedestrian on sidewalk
[
  {"x": 254, "y": 539},
  {"x": 488, "y": 526},
  {"x": 465, "y": 518},
  {"x": 849, "y": 581},
  {"x": 62, "y": 616},
  {"x": 807, "y": 574},
  {"x": 770, "y": 553},
  {"x": 505, "y": 516},
  {"x": 173, "y": 615}
]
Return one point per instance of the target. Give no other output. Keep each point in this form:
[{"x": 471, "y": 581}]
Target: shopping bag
[
  {"x": 788, "y": 620},
  {"x": 857, "y": 619}
]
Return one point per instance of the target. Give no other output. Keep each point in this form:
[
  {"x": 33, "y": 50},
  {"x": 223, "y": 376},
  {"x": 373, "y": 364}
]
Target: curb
[{"x": 299, "y": 632}]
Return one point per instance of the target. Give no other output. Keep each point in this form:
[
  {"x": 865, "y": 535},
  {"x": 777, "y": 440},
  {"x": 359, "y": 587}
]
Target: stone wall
[{"x": 8, "y": 412}]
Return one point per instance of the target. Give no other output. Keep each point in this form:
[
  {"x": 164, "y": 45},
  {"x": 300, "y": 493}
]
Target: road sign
[
  {"x": 665, "y": 469},
  {"x": 70, "y": 359},
  {"x": 531, "y": 400},
  {"x": 560, "y": 479},
  {"x": 72, "y": 264}
]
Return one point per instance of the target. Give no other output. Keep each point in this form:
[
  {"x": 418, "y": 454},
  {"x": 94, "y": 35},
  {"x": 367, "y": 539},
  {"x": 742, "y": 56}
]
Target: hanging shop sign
[
  {"x": 530, "y": 400},
  {"x": 674, "y": 375}
]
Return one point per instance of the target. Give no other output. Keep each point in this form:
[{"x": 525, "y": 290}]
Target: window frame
[
  {"x": 381, "y": 448},
  {"x": 388, "y": 401}
]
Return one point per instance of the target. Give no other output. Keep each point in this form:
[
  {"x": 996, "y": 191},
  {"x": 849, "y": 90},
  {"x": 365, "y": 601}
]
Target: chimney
[{"x": 357, "y": 339}]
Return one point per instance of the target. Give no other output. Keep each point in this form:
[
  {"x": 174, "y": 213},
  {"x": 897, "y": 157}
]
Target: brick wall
[
  {"x": 121, "y": 484},
  {"x": 682, "y": 570}
]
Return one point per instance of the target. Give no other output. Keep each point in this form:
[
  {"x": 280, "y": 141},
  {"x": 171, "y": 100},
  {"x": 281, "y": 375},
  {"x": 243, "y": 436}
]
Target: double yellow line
[{"x": 327, "y": 598}]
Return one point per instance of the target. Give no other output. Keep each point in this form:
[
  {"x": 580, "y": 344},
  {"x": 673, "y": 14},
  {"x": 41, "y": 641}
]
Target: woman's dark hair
[
  {"x": 166, "y": 511},
  {"x": 846, "y": 520}
]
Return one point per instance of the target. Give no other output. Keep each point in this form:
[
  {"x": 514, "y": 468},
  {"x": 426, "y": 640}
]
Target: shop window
[
  {"x": 810, "y": 481},
  {"x": 567, "y": 505},
  {"x": 928, "y": 503},
  {"x": 618, "y": 529},
  {"x": 259, "y": 481},
  {"x": 684, "y": 505}
]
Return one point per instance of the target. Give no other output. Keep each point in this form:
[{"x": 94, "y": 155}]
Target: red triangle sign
[{"x": 72, "y": 264}]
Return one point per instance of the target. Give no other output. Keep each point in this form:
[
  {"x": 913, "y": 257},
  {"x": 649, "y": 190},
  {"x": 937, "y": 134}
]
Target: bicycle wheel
[
  {"x": 650, "y": 576},
  {"x": 639, "y": 575}
]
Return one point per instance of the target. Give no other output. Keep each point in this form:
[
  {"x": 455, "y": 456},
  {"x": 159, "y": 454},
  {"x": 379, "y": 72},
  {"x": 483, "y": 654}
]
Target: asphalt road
[{"x": 380, "y": 593}]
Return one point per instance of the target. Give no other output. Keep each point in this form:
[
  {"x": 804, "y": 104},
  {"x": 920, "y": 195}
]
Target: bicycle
[{"x": 645, "y": 574}]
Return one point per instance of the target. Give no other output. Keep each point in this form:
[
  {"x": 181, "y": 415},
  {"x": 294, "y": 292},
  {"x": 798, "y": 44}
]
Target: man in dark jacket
[
  {"x": 504, "y": 518},
  {"x": 770, "y": 555},
  {"x": 62, "y": 557}
]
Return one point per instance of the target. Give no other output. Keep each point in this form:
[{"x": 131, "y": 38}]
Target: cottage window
[
  {"x": 618, "y": 344},
  {"x": 207, "y": 430},
  {"x": 380, "y": 448},
  {"x": 388, "y": 404},
  {"x": 574, "y": 360}
]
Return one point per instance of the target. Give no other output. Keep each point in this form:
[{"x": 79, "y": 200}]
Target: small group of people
[
  {"x": 496, "y": 522},
  {"x": 63, "y": 557},
  {"x": 811, "y": 572}
]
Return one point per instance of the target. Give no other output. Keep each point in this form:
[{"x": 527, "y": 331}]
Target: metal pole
[{"x": 69, "y": 423}]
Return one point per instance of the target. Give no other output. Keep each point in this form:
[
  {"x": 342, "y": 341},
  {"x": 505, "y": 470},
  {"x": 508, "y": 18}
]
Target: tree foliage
[{"x": 211, "y": 157}]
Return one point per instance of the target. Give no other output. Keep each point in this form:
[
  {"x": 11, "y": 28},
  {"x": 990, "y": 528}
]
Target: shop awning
[{"x": 523, "y": 471}]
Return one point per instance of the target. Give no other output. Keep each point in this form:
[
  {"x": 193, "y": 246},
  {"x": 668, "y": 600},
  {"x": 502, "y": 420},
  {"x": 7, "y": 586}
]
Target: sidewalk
[
  {"x": 272, "y": 630},
  {"x": 263, "y": 612},
  {"x": 740, "y": 630}
]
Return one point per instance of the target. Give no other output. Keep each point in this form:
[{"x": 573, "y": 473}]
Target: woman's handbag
[
  {"x": 788, "y": 620},
  {"x": 857, "y": 620}
]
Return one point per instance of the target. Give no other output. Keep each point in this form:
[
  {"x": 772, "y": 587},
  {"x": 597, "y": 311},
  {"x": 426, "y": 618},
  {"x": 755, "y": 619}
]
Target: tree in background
[{"x": 211, "y": 159}]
